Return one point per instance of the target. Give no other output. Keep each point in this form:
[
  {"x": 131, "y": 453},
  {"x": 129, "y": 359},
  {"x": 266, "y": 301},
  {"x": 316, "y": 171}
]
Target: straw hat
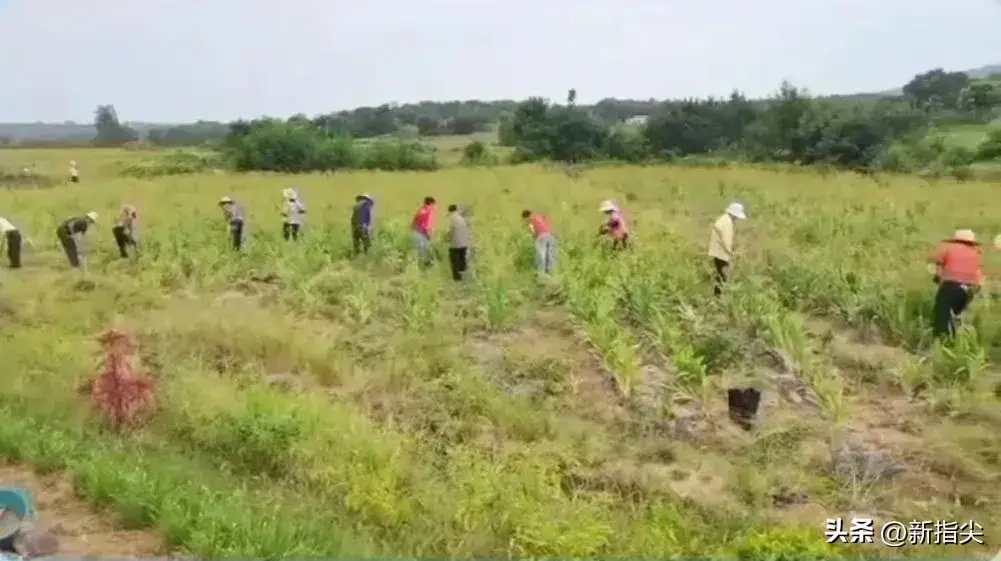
[
  {"x": 964, "y": 235},
  {"x": 225, "y": 200},
  {"x": 736, "y": 210},
  {"x": 607, "y": 206},
  {"x": 366, "y": 196},
  {"x": 92, "y": 216}
]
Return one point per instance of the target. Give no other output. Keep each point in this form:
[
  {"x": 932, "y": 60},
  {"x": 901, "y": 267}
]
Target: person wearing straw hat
[
  {"x": 124, "y": 231},
  {"x": 361, "y": 223},
  {"x": 71, "y": 233},
  {"x": 74, "y": 174},
  {"x": 615, "y": 225},
  {"x": 958, "y": 273},
  {"x": 235, "y": 216},
  {"x": 721, "y": 244},
  {"x": 293, "y": 212}
]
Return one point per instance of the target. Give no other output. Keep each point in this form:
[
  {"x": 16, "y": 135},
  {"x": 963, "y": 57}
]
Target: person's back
[
  {"x": 361, "y": 214},
  {"x": 960, "y": 263},
  {"x": 721, "y": 239},
  {"x": 458, "y": 230}
]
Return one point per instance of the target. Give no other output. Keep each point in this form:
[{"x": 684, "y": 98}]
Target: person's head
[
  {"x": 364, "y": 197},
  {"x": 453, "y": 208},
  {"x": 91, "y": 217},
  {"x": 225, "y": 202},
  {"x": 736, "y": 211},
  {"x": 429, "y": 201},
  {"x": 526, "y": 214},
  {"x": 608, "y": 207},
  {"x": 288, "y": 193}
]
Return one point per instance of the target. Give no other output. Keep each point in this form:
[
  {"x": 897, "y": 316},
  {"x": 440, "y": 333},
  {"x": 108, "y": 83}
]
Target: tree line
[{"x": 856, "y": 132}]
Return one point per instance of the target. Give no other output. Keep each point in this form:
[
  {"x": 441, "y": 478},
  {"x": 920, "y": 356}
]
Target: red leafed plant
[{"x": 124, "y": 398}]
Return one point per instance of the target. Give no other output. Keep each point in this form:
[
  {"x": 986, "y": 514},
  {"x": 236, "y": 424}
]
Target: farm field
[{"x": 313, "y": 405}]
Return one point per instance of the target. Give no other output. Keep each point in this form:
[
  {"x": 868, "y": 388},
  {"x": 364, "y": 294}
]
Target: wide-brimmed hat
[
  {"x": 366, "y": 196},
  {"x": 964, "y": 235},
  {"x": 92, "y": 216},
  {"x": 225, "y": 200},
  {"x": 736, "y": 210},
  {"x": 607, "y": 206}
]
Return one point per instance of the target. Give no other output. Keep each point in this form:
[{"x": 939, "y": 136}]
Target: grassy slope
[{"x": 364, "y": 408}]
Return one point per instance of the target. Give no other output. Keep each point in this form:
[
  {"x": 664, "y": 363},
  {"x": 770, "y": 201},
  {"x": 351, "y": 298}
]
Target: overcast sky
[{"x": 180, "y": 60}]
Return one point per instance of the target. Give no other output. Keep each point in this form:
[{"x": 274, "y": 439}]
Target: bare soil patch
[{"x": 80, "y": 529}]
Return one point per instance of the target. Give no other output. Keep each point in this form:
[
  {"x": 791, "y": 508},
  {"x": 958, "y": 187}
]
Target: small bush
[
  {"x": 477, "y": 153},
  {"x": 175, "y": 162}
]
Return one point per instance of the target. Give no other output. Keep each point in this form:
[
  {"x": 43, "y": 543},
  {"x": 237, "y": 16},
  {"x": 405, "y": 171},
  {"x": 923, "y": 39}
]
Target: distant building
[{"x": 636, "y": 120}]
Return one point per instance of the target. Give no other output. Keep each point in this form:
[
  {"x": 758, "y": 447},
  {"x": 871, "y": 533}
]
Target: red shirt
[
  {"x": 617, "y": 226},
  {"x": 959, "y": 262},
  {"x": 539, "y": 225},
  {"x": 424, "y": 220}
]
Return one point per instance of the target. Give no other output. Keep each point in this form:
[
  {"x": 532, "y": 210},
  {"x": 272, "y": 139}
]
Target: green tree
[
  {"x": 110, "y": 130},
  {"x": 937, "y": 84}
]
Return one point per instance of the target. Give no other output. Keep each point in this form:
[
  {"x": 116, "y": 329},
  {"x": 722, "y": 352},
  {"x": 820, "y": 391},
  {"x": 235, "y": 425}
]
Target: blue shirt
[{"x": 362, "y": 215}]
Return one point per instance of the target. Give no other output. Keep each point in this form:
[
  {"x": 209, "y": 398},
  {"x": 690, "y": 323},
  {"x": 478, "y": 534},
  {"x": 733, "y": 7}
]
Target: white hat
[
  {"x": 288, "y": 193},
  {"x": 736, "y": 210},
  {"x": 607, "y": 206},
  {"x": 225, "y": 200},
  {"x": 92, "y": 216},
  {"x": 366, "y": 196},
  {"x": 964, "y": 235}
]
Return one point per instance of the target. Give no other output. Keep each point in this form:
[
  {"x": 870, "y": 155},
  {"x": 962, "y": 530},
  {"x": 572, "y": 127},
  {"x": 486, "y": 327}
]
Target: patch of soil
[
  {"x": 859, "y": 353},
  {"x": 81, "y": 531},
  {"x": 549, "y": 335}
]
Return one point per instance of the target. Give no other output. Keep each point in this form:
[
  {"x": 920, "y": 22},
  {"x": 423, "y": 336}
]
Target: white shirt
[{"x": 6, "y": 226}]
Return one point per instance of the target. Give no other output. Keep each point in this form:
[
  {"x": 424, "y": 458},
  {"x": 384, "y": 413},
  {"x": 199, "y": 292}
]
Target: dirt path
[{"x": 81, "y": 530}]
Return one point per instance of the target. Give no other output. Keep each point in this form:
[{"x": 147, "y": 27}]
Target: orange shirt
[
  {"x": 959, "y": 262},
  {"x": 539, "y": 224}
]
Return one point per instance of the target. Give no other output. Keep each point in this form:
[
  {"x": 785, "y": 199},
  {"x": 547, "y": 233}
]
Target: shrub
[{"x": 174, "y": 162}]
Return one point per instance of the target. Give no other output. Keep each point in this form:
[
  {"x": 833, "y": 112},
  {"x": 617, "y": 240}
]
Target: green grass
[{"x": 366, "y": 408}]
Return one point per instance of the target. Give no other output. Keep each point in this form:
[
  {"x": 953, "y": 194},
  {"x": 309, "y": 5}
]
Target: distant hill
[{"x": 77, "y": 132}]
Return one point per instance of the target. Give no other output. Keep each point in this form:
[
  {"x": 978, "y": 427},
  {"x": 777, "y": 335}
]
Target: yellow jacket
[{"x": 721, "y": 239}]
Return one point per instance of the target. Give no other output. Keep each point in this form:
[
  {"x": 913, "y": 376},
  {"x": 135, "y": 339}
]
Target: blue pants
[
  {"x": 423, "y": 246},
  {"x": 545, "y": 253}
]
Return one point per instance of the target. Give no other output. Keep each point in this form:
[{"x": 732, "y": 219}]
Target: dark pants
[
  {"x": 950, "y": 301},
  {"x": 721, "y": 274},
  {"x": 362, "y": 240},
  {"x": 236, "y": 234},
  {"x": 290, "y": 231},
  {"x": 74, "y": 179},
  {"x": 457, "y": 260},
  {"x": 69, "y": 246},
  {"x": 621, "y": 243},
  {"x": 124, "y": 240},
  {"x": 14, "y": 249}
]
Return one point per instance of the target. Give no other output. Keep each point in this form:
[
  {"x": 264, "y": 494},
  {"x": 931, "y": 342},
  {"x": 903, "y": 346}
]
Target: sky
[{"x": 182, "y": 60}]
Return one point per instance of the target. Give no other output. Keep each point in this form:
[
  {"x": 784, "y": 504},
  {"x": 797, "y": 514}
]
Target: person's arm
[{"x": 937, "y": 255}]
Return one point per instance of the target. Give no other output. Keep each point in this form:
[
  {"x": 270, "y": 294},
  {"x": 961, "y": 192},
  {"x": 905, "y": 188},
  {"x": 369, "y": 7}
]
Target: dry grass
[{"x": 363, "y": 407}]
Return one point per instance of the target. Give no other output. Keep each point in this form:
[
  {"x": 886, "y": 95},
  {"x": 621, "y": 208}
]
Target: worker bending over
[
  {"x": 958, "y": 263},
  {"x": 721, "y": 238},
  {"x": 71, "y": 234}
]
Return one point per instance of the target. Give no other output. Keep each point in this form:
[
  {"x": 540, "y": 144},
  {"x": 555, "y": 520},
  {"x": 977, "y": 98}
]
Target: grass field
[{"x": 348, "y": 408}]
